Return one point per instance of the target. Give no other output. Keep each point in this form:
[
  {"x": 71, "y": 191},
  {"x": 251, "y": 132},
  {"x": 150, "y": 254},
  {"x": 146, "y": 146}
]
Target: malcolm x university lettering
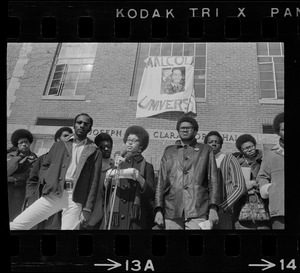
[{"x": 167, "y": 85}]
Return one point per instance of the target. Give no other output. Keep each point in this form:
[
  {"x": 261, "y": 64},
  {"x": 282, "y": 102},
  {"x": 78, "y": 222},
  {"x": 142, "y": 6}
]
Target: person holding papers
[{"x": 129, "y": 192}]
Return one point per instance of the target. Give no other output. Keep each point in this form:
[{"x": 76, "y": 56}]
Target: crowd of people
[{"x": 78, "y": 185}]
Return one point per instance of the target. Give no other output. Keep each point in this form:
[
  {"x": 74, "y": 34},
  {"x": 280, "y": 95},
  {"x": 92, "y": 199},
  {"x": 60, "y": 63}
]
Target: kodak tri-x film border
[{"x": 131, "y": 23}]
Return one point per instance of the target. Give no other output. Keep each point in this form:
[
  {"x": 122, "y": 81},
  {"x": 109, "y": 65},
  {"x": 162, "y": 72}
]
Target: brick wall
[{"x": 232, "y": 88}]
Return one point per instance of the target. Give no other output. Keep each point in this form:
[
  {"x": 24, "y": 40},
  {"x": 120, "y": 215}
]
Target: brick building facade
[{"x": 233, "y": 103}]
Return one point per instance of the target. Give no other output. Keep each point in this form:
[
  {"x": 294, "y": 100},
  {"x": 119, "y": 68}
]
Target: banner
[{"x": 167, "y": 85}]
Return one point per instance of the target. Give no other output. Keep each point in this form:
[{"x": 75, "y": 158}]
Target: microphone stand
[{"x": 117, "y": 178}]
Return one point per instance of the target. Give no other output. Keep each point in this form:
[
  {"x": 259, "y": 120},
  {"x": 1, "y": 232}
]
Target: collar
[
  {"x": 137, "y": 157},
  {"x": 180, "y": 144},
  {"x": 218, "y": 154},
  {"x": 72, "y": 138},
  {"x": 278, "y": 149}
]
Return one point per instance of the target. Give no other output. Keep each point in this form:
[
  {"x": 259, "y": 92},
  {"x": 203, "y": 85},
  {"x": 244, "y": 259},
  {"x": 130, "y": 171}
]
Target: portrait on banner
[{"x": 173, "y": 80}]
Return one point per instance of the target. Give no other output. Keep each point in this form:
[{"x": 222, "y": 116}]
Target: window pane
[
  {"x": 60, "y": 67},
  {"x": 279, "y": 76},
  {"x": 74, "y": 68},
  {"x": 154, "y": 49},
  {"x": 81, "y": 88},
  {"x": 265, "y": 94},
  {"x": 279, "y": 67},
  {"x": 200, "y": 49},
  {"x": 278, "y": 60},
  {"x": 280, "y": 85},
  {"x": 68, "y": 92},
  {"x": 88, "y": 61},
  {"x": 200, "y": 63},
  {"x": 280, "y": 94},
  {"x": 75, "y": 61},
  {"x": 144, "y": 50},
  {"x": 84, "y": 76},
  {"x": 166, "y": 49},
  {"x": 266, "y": 76},
  {"x": 177, "y": 49},
  {"x": 57, "y": 75},
  {"x": 71, "y": 77},
  {"x": 264, "y": 59},
  {"x": 53, "y": 91},
  {"x": 55, "y": 83},
  {"x": 266, "y": 67},
  {"x": 87, "y": 67},
  {"x": 267, "y": 85},
  {"x": 262, "y": 49},
  {"x": 69, "y": 85},
  {"x": 199, "y": 90},
  {"x": 274, "y": 49},
  {"x": 188, "y": 50},
  {"x": 199, "y": 74}
]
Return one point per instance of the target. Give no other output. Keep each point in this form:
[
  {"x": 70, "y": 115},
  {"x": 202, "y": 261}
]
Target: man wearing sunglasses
[
  {"x": 188, "y": 189},
  {"x": 71, "y": 174}
]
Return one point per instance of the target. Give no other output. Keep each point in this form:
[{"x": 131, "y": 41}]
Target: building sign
[
  {"x": 167, "y": 85},
  {"x": 172, "y": 135}
]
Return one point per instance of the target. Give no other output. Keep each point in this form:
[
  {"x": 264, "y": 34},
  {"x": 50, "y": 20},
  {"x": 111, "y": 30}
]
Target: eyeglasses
[
  {"x": 132, "y": 140},
  {"x": 23, "y": 142},
  {"x": 248, "y": 148},
  {"x": 83, "y": 122},
  {"x": 189, "y": 128}
]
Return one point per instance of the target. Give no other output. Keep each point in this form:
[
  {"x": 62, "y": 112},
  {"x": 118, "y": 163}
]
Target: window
[
  {"x": 198, "y": 50},
  {"x": 55, "y": 121},
  {"x": 271, "y": 70},
  {"x": 72, "y": 70}
]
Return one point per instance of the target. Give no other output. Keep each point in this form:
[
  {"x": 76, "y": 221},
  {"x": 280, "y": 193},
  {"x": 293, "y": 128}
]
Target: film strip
[{"x": 161, "y": 22}]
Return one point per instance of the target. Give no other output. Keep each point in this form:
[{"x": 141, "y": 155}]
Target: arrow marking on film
[
  {"x": 267, "y": 264},
  {"x": 113, "y": 264}
]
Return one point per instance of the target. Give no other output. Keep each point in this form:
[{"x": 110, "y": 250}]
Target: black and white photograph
[{"x": 80, "y": 157}]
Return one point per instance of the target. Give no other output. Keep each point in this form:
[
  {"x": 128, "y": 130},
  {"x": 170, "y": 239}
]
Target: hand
[
  {"x": 251, "y": 184},
  {"x": 85, "y": 216},
  {"x": 213, "y": 216},
  {"x": 137, "y": 176},
  {"x": 118, "y": 160},
  {"x": 159, "y": 219},
  {"x": 11, "y": 179}
]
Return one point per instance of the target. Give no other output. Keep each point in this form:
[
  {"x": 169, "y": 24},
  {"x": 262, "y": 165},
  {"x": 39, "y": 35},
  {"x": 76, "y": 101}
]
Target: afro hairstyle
[
  {"x": 244, "y": 138},
  {"x": 190, "y": 120},
  {"x": 20, "y": 133},
  {"x": 60, "y": 131},
  {"x": 214, "y": 133},
  {"x": 141, "y": 133},
  {"x": 103, "y": 137},
  {"x": 279, "y": 118}
]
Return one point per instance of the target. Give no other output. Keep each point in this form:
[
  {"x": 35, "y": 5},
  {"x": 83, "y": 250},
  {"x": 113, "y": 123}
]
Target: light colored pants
[
  {"x": 46, "y": 206},
  {"x": 180, "y": 223}
]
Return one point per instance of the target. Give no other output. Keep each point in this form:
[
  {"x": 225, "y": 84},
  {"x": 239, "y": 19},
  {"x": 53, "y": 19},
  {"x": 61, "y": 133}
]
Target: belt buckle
[{"x": 69, "y": 185}]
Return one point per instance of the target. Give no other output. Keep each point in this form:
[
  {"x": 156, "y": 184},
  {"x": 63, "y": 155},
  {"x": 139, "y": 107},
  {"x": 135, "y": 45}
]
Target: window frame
[
  {"x": 275, "y": 99},
  {"x": 60, "y": 95}
]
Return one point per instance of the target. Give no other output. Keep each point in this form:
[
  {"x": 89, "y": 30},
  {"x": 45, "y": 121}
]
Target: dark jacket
[
  {"x": 188, "y": 181},
  {"x": 87, "y": 175},
  {"x": 18, "y": 169},
  {"x": 127, "y": 216}
]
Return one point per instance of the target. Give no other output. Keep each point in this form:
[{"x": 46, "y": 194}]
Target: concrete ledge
[
  {"x": 271, "y": 101},
  {"x": 78, "y": 97}
]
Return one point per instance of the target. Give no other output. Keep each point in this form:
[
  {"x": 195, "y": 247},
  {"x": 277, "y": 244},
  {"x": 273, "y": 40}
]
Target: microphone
[{"x": 125, "y": 156}]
